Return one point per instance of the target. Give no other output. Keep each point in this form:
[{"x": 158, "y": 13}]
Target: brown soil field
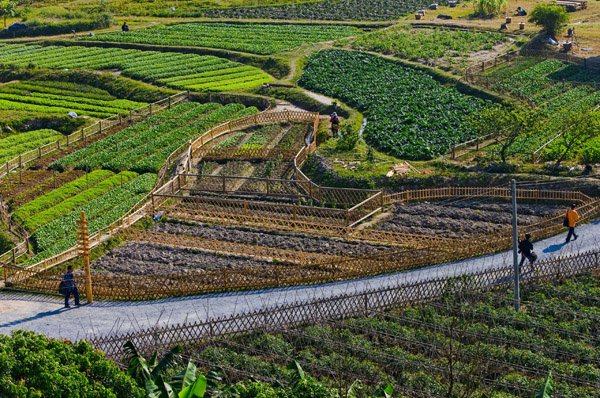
[{"x": 461, "y": 219}]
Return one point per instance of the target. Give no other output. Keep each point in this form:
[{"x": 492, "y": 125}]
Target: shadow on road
[
  {"x": 554, "y": 248},
  {"x": 31, "y": 318}
]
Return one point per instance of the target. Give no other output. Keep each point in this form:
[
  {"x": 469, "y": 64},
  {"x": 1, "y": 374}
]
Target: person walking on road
[
  {"x": 526, "y": 250},
  {"x": 70, "y": 287},
  {"x": 571, "y": 218}
]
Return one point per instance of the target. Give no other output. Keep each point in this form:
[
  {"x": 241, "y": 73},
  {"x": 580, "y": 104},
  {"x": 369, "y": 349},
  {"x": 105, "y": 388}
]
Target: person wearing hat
[
  {"x": 335, "y": 124},
  {"x": 571, "y": 218}
]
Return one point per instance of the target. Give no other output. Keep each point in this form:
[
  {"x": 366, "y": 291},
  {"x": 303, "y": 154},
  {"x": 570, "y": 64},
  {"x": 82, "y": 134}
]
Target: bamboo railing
[
  {"x": 162, "y": 338},
  {"x": 489, "y": 192}
]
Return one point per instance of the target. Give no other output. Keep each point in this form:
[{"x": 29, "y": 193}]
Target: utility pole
[
  {"x": 84, "y": 247},
  {"x": 515, "y": 242}
]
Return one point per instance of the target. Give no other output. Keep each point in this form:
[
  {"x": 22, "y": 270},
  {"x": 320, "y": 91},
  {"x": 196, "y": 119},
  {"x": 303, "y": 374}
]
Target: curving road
[{"x": 46, "y": 315}]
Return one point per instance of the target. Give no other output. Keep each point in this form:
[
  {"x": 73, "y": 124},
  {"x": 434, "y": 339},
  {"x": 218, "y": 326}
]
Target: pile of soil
[
  {"x": 461, "y": 219},
  {"x": 281, "y": 240}
]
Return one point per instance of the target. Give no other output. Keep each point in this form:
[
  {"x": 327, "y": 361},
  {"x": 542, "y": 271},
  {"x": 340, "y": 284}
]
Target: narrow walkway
[{"x": 45, "y": 314}]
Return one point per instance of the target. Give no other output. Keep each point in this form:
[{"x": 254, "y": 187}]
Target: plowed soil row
[{"x": 461, "y": 219}]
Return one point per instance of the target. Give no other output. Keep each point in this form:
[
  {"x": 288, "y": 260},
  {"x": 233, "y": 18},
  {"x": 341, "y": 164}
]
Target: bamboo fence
[
  {"x": 97, "y": 128},
  {"x": 142, "y": 207},
  {"x": 347, "y": 305},
  {"x": 418, "y": 251},
  {"x": 334, "y": 222}
]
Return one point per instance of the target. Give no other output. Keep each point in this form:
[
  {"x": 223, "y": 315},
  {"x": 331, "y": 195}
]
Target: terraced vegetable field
[
  {"x": 47, "y": 97},
  {"x": 145, "y": 146},
  {"x": 102, "y": 204},
  {"x": 252, "y": 38},
  {"x": 444, "y": 47},
  {"x": 461, "y": 345},
  {"x": 557, "y": 90},
  {"x": 189, "y": 71},
  {"x": 410, "y": 115},
  {"x": 14, "y": 145},
  {"x": 344, "y": 10}
]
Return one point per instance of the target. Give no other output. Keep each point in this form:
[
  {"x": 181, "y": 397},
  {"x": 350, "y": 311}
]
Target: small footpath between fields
[{"x": 45, "y": 314}]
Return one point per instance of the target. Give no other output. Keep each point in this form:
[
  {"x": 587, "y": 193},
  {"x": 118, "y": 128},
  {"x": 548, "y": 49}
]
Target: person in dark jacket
[
  {"x": 335, "y": 124},
  {"x": 526, "y": 250},
  {"x": 125, "y": 27},
  {"x": 69, "y": 281}
]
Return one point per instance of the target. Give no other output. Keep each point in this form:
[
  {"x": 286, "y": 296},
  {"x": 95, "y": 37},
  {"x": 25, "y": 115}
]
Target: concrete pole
[{"x": 515, "y": 242}]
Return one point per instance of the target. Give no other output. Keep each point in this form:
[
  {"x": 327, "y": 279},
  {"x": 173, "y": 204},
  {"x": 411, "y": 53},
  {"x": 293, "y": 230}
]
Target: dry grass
[{"x": 586, "y": 22}]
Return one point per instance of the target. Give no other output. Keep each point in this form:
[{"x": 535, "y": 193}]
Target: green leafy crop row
[
  {"x": 138, "y": 64},
  {"x": 409, "y": 114},
  {"x": 59, "y": 195},
  {"x": 74, "y": 202},
  {"x": 15, "y": 145},
  {"x": 253, "y": 38}
]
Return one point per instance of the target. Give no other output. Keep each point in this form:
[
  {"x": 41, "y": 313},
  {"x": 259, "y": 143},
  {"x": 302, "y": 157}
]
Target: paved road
[{"x": 45, "y": 314}]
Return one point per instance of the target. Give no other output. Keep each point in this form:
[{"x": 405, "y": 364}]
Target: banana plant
[
  {"x": 150, "y": 373},
  {"x": 547, "y": 389}
]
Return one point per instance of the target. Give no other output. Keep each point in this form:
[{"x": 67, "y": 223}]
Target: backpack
[{"x": 62, "y": 288}]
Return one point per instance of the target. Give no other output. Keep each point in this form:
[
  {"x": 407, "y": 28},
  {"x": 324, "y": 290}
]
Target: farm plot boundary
[
  {"x": 97, "y": 128},
  {"x": 434, "y": 249},
  {"x": 142, "y": 207},
  {"x": 317, "y": 269},
  {"x": 346, "y": 305}
]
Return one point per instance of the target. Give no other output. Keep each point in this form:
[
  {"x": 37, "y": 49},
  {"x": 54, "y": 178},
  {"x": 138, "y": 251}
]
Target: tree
[
  {"x": 486, "y": 8},
  {"x": 7, "y": 8},
  {"x": 551, "y": 17},
  {"x": 508, "y": 126},
  {"x": 578, "y": 128}
]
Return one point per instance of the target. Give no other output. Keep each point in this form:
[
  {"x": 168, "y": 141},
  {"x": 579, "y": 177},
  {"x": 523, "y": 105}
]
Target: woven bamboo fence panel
[
  {"x": 420, "y": 195},
  {"x": 346, "y": 305},
  {"x": 242, "y": 185},
  {"x": 229, "y": 248},
  {"x": 244, "y": 153}
]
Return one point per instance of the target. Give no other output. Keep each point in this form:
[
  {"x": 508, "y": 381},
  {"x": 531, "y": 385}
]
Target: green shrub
[
  {"x": 551, "y": 17},
  {"x": 33, "y": 365}
]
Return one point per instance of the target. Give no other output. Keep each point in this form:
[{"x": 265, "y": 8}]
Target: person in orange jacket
[{"x": 571, "y": 216}]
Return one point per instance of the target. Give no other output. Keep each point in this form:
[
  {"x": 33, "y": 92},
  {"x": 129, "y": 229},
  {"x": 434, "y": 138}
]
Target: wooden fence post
[
  {"x": 100, "y": 127},
  {"x": 68, "y": 139},
  {"x": 58, "y": 144},
  {"x": 150, "y": 107},
  {"x": 39, "y": 152},
  {"x": 85, "y": 252},
  {"x": 130, "y": 116},
  {"x": 224, "y": 181},
  {"x": 169, "y": 102}
]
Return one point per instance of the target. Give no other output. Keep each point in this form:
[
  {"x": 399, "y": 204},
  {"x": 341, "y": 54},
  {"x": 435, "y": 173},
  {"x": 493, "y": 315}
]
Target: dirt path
[{"x": 321, "y": 98}]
